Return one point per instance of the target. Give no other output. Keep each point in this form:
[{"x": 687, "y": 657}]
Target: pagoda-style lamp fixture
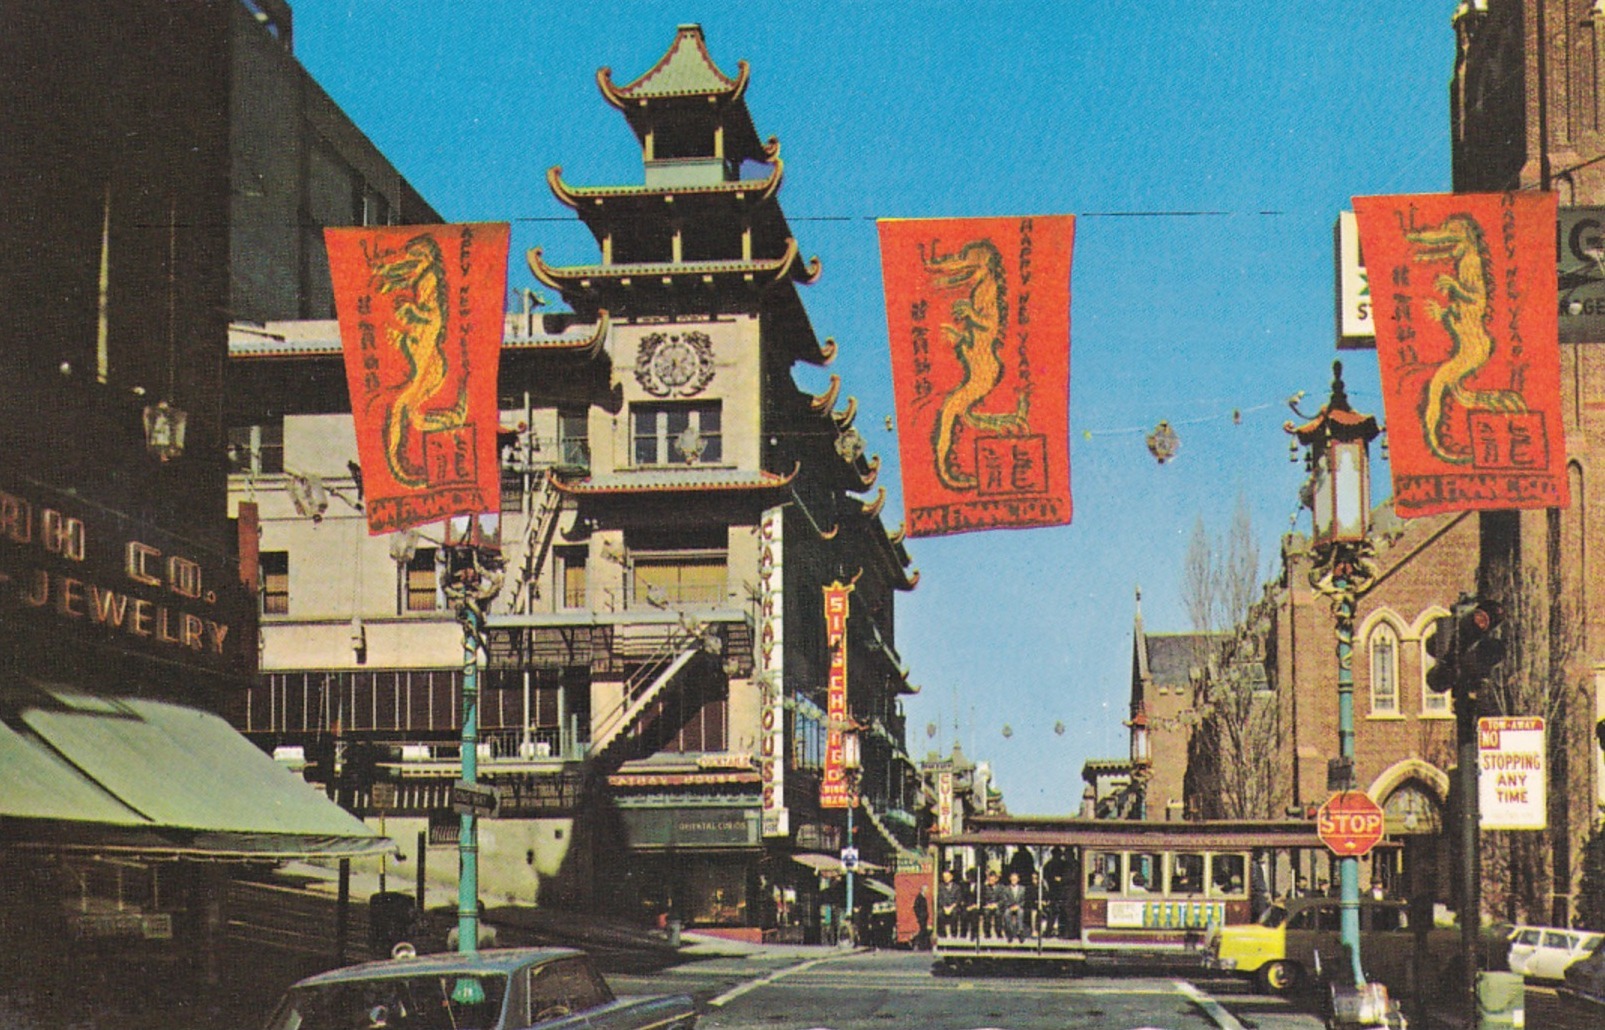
[
  {"x": 852, "y": 751},
  {"x": 1339, "y": 459}
]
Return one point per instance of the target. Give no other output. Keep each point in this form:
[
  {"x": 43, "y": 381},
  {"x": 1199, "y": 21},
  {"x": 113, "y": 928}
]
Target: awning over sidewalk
[
  {"x": 93, "y": 772},
  {"x": 830, "y": 865}
]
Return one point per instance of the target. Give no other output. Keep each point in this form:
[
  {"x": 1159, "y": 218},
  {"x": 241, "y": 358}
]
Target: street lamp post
[
  {"x": 474, "y": 577},
  {"x": 851, "y": 759},
  {"x": 1338, "y": 494}
]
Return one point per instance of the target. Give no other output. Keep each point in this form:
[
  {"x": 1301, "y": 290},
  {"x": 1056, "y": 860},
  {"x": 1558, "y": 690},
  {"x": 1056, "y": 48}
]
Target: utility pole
[{"x": 1466, "y": 652}]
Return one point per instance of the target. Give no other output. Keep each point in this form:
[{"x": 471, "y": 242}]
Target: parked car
[
  {"x": 1583, "y": 989},
  {"x": 1545, "y": 952},
  {"x": 507, "y": 989},
  {"x": 1294, "y": 938}
]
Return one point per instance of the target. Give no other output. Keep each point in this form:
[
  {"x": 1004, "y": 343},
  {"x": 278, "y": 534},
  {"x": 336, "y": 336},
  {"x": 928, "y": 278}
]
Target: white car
[{"x": 1544, "y": 952}]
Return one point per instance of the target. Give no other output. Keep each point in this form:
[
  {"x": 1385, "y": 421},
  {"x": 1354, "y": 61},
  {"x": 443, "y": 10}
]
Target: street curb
[
  {"x": 1212, "y": 1008},
  {"x": 751, "y": 985}
]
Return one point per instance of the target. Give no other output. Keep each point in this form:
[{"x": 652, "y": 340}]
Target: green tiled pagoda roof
[{"x": 685, "y": 70}]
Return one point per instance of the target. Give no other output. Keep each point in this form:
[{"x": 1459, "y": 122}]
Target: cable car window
[
  {"x": 1228, "y": 875},
  {"x": 1103, "y": 872},
  {"x": 1187, "y": 874},
  {"x": 1142, "y": 873}
]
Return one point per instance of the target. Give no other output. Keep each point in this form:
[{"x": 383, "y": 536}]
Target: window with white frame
[
  {"x": 1384, "y": 648},
  {"x": 420, "y": 583},
  {"x": 677, "y": 434},
  {"x": 1432, "y": 702},
  {"x": 275, "y": 570},
  {"x": 571, "y": 567},
  {"x": 676, "y": 567},
  {"x": 257, "y": 450}
]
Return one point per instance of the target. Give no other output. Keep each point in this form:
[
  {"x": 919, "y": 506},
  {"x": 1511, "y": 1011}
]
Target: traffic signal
[
  {"x": 1479, "y": 649},
  {"x": 1463, "y": 644},
  {"x": 1445, "y": 671}
]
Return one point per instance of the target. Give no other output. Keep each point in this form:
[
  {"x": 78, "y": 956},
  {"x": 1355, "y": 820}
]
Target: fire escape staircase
[
  {"x": 646, "y": 685},
  {"x": 885, "y": 831},
  {"x": 544, "y": 505}
]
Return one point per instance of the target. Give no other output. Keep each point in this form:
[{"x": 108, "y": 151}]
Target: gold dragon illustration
[
  {"x": 1465, "y": 316},
  {"x": 414, "y": 276},
  {"x": 976, "y": 335}
]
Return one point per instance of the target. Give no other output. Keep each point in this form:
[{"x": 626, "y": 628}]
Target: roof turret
[{"x": 683, "y": 82}]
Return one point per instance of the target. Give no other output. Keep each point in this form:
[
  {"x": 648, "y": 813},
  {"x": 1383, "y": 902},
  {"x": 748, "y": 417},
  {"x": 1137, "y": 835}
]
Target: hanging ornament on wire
[
  {"x": 1008, "y": 731},
  {"x": 1163, "y": 442},
  {"x": 1058, "y": 729},
  {"x": 930, "y": 729}
]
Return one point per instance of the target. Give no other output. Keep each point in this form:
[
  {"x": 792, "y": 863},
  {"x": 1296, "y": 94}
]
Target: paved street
[{"x": 891, "y": 989}]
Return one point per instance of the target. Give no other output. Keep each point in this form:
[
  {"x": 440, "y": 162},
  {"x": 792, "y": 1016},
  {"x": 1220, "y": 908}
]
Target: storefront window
[{"x": 717, "y": 894}]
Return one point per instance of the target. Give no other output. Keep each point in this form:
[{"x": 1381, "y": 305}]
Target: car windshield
[
  {"x": 1273, "y": 917},
  {"x": 390, "y": 1003}
]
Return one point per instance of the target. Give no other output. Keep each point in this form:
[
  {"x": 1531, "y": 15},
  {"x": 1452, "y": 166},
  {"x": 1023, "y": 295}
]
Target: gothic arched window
[{"x": 1384, "y": 650}]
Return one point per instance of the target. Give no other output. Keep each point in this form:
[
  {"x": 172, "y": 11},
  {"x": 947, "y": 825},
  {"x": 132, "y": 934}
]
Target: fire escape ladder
[
  {"x": 544, "y": 503},
  {"x": 644, "y": 687}
]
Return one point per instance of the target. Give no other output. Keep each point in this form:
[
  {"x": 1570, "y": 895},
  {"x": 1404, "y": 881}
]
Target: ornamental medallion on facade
[{"x": 674, "y": 364}]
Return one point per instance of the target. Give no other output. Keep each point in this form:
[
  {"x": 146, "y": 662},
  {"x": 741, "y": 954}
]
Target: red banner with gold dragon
[
  {"x": 1465, "y": 301},
  {"x": 421, "y": 311},
  {"x": 978, "y": 311}
]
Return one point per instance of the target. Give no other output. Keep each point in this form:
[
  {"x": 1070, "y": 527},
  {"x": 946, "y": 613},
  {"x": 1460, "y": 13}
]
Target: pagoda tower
[{"x": 718, "y": 501}]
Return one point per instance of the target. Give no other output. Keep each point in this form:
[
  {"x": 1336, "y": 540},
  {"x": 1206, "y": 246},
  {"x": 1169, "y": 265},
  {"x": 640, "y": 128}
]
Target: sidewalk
[{"x": 589, "y": 931}]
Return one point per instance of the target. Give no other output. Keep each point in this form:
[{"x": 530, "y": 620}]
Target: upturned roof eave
[{"x": 761, "y": 190}]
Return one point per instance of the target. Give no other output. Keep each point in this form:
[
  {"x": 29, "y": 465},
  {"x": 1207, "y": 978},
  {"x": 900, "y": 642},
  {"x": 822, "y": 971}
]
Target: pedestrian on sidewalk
[{"x": 922, "y": 918}]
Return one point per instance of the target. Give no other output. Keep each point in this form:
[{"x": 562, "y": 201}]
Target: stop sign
[{"x": 1349, "y": 823}]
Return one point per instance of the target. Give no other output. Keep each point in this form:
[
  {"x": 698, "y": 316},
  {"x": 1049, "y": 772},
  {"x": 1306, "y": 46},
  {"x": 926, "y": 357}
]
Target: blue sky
[{"x": 1207, "y": 148}]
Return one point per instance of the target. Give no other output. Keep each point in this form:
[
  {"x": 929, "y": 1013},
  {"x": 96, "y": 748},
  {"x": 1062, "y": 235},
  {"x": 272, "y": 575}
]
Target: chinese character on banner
[
  {"x": 834, "y": 789},
  {"x": 1465, "y": 312},
  {"x": 421, "y": 311},
  {"x": 978, "y": 313}
]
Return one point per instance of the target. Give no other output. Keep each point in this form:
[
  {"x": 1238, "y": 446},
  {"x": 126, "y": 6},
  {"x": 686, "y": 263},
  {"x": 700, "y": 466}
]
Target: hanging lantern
[
  {"x": 1163, "y": 442},
  {"x": 164, "y": 430}
]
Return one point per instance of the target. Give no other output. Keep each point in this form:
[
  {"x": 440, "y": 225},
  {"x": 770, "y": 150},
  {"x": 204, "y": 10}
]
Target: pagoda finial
[{"x": 1340, "y": 396}]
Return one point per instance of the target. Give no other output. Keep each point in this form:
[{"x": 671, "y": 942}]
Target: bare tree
[
  {"x": 1543, "y": 640},
  {"x": 1233, "y": 716}
]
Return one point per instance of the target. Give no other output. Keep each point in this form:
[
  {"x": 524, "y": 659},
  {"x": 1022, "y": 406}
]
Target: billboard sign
[
  {"x": 772, "y": 673},
  {"x": 1354, "y": 329}
]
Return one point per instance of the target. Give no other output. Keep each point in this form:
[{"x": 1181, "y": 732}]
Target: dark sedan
[{"x": 1584, "y": 986}]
